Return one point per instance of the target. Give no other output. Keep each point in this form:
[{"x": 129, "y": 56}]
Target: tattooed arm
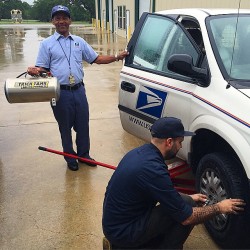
[{"x": 201, "y": 214}]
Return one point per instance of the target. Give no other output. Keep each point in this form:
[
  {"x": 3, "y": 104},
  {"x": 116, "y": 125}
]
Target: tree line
[{"x": 81, "y": 10}]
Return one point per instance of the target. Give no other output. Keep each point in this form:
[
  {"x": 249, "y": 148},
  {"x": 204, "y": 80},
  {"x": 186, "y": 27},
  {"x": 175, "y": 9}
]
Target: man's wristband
[{"x": 116, "y": 57}]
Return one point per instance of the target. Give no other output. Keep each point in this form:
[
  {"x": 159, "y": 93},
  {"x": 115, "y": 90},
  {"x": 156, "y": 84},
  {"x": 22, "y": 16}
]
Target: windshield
[{"x": 230, "y": 39}]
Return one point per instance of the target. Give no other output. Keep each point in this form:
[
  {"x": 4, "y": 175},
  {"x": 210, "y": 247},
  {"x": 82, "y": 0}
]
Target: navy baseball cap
[
  {"x": 59, "y": 8},
  {"x": 169, "y": 127}
]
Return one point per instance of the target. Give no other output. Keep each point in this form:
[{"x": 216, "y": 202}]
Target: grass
[{"x": 9, "y": 21}]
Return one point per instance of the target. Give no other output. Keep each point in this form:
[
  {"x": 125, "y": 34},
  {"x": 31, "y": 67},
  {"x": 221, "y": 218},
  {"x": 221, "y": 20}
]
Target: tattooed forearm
[{"x": 201, "y": 214}]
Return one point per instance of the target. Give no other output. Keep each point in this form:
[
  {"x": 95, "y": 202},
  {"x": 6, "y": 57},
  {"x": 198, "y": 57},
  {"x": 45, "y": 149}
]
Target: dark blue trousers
[
  {"x": 162, "y": 232},
  {"x": 72, "y": 111}
]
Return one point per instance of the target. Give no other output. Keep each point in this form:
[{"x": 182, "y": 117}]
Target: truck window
[
  {"x": 178, "y": 43},
  {"x": 230, "y": 36},
  {"x": 160, "y": 38},
  {"x": 151, "y": 40}
]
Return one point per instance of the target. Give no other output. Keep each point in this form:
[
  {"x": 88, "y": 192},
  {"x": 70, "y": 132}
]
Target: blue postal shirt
[
  {"x": 139, "y": 182},
  {"x": 56, "y": 57}
]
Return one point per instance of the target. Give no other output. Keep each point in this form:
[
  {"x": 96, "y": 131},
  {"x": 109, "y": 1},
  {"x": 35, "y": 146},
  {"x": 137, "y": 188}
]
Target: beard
[{"x": 170, "y": 154}]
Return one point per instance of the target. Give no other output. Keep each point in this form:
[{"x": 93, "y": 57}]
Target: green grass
[{"x": 8, "y": 21}]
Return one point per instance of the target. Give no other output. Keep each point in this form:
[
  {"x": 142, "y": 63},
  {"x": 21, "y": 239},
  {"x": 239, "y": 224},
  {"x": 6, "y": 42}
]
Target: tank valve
[{"x": 53, "y": 102}]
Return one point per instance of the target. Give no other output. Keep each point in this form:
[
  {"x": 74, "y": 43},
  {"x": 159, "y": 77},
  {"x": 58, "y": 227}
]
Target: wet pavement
[{"x": 43, "y": 205}]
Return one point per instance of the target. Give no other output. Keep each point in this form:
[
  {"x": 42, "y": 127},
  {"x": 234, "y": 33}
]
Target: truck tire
[{"x": 220, "y": 176}]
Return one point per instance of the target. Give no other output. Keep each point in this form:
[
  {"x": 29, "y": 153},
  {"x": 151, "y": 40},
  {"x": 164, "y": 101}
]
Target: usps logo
[{"x": 151, "y": 101}]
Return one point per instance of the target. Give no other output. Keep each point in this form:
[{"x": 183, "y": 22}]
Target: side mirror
[{"x": 183, "y": 64}]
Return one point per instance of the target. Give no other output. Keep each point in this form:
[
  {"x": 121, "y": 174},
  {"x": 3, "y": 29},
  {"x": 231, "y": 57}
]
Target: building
[
  {"x": 121, "y": 16},
  {"x": 16, "y": 16}
]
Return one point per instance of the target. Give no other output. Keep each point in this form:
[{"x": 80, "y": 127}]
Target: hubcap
[{"x": 212, "y": 186}]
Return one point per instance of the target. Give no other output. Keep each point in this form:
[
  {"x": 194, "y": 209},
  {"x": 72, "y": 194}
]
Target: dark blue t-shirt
[{"x": 139, "y": 182}]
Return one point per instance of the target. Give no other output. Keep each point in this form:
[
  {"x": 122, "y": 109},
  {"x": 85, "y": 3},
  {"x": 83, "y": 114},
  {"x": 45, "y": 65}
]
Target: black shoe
[
  {"x": 88, "y": 163},
  {"x": 73, "y": 166}
]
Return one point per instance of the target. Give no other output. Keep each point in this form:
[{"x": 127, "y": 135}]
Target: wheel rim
[{"x": 212, "y": 186}]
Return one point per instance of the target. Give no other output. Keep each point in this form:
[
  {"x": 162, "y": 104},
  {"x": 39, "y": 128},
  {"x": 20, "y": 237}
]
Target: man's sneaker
[
  {"x": 73, "y": 166},
  {"x": 88, "y": 163}
]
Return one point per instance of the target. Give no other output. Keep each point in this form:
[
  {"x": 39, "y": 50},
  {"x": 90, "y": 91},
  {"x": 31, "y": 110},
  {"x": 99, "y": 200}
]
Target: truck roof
[{"x": 202, "y": 12}]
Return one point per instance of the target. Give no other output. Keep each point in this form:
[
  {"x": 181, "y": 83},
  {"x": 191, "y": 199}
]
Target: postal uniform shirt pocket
[{"x": 78, "y": 55}]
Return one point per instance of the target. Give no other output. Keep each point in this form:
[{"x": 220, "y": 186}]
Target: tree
[
  {"x": 78, "y": 13},
  {"x": 26, "y": 9},
  {"x": 87, "y": 5},
  {"x": 81, "y": 10},
  {"x": 7, "y": 5}
]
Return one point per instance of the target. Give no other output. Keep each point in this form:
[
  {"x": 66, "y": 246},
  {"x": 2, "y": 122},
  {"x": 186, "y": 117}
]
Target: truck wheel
[{"x": 220, "y": 177}]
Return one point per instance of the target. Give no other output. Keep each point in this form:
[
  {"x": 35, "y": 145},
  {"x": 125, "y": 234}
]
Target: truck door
[{"x": 149, "y": 90}]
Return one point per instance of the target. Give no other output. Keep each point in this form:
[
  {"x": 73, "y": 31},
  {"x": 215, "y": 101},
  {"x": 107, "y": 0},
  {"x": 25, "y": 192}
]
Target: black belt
[{"x": 73, "y": 87}]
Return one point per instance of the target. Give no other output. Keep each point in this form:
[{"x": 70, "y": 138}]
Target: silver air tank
[{"x": 34, "y": 89}]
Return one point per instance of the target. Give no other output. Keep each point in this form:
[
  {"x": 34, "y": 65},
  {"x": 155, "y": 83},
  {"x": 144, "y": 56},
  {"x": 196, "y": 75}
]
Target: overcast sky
[{"x": 28, "y": 1}]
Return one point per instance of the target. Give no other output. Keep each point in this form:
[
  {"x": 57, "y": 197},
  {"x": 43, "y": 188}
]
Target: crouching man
[{"x": 142, "y": 209}]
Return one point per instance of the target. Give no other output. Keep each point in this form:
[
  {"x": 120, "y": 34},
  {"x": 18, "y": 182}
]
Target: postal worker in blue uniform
[
  {"x": 63, "y": 54},
  {"x": 142, "y": 209}
]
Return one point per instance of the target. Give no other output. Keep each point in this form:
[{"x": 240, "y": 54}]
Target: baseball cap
[
  {"x": 59, "y": 8},
  {"x": 169, "y": 127}
]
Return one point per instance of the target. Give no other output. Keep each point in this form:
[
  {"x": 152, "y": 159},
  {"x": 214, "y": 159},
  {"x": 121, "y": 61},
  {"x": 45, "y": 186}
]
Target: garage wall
[
  {"x": 130, "y": 6},
  {"x": 159, "y": 5},
  {"x": 144, "y": 6}
]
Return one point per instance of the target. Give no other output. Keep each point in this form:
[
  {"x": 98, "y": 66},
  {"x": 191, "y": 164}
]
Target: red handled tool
[
  {"x": 76, "y": 157},
  {"x": 174, "y": 172}
]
